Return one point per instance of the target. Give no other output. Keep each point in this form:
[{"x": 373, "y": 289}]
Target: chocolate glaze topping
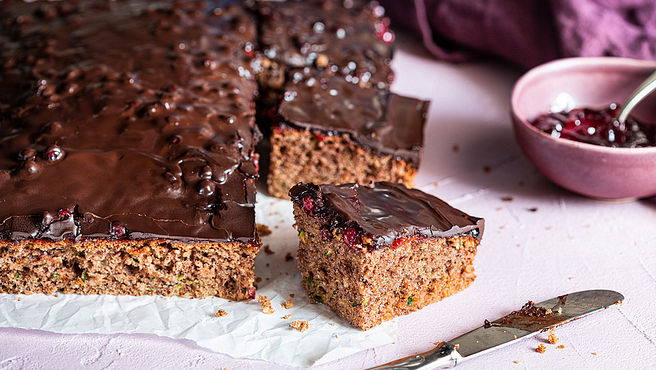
[
  {"x": 530, "y": 318},
  {"x": 383, "y": 212},
  {"x": 127, "y": 119},
  {"x": 350, "y": 38},
  {"x": 380, "y": 120}
]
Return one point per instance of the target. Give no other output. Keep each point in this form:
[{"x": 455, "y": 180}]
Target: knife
[{"x": 527, "y": 322}]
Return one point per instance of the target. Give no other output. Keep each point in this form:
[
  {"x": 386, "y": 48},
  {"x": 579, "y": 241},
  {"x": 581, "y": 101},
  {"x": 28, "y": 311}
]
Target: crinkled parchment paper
[{"x": 245, "y": 332}]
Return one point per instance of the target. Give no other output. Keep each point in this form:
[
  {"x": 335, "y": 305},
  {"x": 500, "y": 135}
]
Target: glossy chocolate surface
[
  {"x": 384, "y": 212},
  {"x": 378, "y": 119},
  {"x": 127, "y": 119},
  {"x": 349, "y": 38}
]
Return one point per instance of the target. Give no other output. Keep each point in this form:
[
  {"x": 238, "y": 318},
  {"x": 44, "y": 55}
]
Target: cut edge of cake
[{"x": 342, "y": 267}]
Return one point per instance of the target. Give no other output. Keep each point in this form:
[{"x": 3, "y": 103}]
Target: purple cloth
[{"x": 529, "y": 32}]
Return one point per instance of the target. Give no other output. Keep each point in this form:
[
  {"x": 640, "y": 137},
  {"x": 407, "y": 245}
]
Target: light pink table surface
[{"x": 570, "y": 243}]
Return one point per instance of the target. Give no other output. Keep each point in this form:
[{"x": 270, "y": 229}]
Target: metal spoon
[{"x": 646, "y": 88}]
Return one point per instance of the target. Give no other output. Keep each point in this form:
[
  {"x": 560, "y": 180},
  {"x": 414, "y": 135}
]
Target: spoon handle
[{"x": 646, "y": 88}]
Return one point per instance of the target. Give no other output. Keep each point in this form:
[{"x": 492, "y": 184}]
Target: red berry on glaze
[
  {"x": 54, "y": 153},
  {"x": 117, "y": 230},
  {"x": 383, "y": 32},
  {"x": 251, "y": 292},
  {"x": 174, "y": 139},
  {"x": 308, "y": 203}
]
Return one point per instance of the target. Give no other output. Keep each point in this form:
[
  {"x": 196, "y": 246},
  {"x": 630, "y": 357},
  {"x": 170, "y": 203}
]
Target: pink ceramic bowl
[{"x": 591, "y": 170}]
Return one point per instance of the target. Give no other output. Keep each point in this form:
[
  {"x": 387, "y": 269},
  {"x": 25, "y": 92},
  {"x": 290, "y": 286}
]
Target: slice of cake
[
  {"x": 375, "y": 252},
  {"x": 127, "y": 162},
  {"x": 331, "y": 131}
]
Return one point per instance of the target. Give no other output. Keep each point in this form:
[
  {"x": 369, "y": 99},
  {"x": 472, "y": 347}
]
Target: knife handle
[{"x": 443, "y": 357}]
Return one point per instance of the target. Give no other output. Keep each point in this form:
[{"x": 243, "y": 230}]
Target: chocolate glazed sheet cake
[
  {"x": 126, "y": 156},
  {"x": 127, "y": 160}
]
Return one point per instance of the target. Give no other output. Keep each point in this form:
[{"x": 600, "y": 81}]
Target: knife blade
[{"x": 531, "y": 319}]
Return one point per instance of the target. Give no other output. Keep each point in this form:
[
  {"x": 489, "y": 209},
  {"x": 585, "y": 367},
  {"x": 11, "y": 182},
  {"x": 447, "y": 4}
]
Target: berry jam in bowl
[{"x": 564, "y": 120}]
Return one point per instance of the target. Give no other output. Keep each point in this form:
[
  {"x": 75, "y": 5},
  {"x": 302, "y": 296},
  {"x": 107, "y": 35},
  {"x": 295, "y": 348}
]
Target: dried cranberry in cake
[
  {"x": 351, "y": 237},
  {"x": 395, "y": 249},
  {"x": 597, "y": 126}
]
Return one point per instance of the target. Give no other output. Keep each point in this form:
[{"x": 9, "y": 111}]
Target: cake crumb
[
  {"x": 288, "y": 257},
  {"x": 594, "y": 353},
  {"x": 291, "y": 295},
  {"x": 516, "y": 361},
  {"x": 571, "y": 278},
  {"x": 263, "y": 230},
  {"x": 560, "y": 346},
  {"x": 288, "y": 304},
  {"x": 268, "y": 250},
  {"x": 266, "y": 304},
  {"x": 487, "y": 169},
  {"x": 541, "y": 348},
  {"x": 553, "y": 339},
  {"x": 532, "y": 209},
  {"x": 508, "y": 198},
  {"x": 457, "y": 346},
  {"x": 287, "y": 316},
  {"x": 221, "y": 313},
  {"x": 455, "y": 148},
  {"x": 331, "y": 324},
  {"x": 300, "y": 325},
  {"x": 258, "y": 279}
]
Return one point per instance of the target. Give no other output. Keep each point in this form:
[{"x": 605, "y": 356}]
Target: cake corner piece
[
  {"x": 372, "y": 253},
  {"x": 328, "y": 130}
]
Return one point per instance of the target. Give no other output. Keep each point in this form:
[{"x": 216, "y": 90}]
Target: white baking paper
[{"x": 245, "y": 332}]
